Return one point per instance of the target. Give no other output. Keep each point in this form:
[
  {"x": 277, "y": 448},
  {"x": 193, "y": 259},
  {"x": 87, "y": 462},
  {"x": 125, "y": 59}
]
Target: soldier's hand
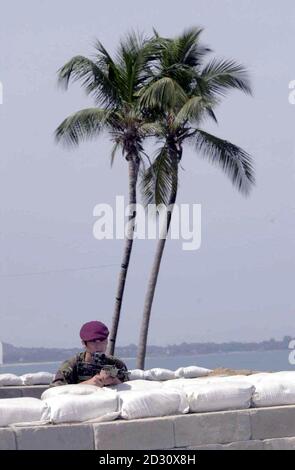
[
  {"x": 102, "y": 379},
  {"x": 95, "y": 380},
  {"x": 107, "y": 379},
  {"x": 115, "y": 381}
]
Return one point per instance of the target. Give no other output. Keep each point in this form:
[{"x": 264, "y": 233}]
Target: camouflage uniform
[{"x": 73, "y": 371}]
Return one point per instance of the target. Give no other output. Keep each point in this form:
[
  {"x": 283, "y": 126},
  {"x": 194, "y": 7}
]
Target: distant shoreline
[
  {"x": 153, "y": 356},
  {"x": 26, "y": 363},
  {"x": 35, "y": 355}
]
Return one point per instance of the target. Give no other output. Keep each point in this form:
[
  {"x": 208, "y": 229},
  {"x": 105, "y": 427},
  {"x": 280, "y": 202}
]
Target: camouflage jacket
[{"x": 76, "y": 370}]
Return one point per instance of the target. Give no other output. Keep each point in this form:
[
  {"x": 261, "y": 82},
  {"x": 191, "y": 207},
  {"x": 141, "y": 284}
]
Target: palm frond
[
  {"x": 159, "y": 180},
  {"x": 164, "y": 93},
  {"x": 151, "y": 129},
  {"x": 190, "y": 51},
  {"x": 219, "y": 76},
  {"x": 95, "y": 80},
  {"x": 191, "y": 110},
  {"x": 76, "y": 68},
  {"x": 103, "y": 57},
  {"x": 84, "y": 124},
  {"x": 135, "y": 57},
  {"x": 114, "y": 151},
  {"x": 209, "y": 111},
  {"x": 234, "y": 161}
]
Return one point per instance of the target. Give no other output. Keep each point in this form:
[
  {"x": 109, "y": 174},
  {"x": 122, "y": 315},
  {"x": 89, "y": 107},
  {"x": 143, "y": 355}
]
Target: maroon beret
[{"x": 94, "y": 330}]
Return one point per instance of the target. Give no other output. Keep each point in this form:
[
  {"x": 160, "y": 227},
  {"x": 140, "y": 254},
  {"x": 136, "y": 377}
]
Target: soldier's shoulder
[{"x": 72, "y": 361}]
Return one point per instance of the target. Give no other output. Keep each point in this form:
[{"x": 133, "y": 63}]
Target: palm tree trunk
[
  {"x": 149, "y": 297},
  {"x": 133, "y": 166}
]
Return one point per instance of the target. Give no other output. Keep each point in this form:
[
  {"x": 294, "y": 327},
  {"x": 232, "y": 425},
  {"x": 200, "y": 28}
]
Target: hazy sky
[{"x": 240, "y": 284}]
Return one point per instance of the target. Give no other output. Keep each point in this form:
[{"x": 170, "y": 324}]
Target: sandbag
[
  {"x": 20, "y": 410},
  {"x": 71, "y": 389},
  {"x": 10, "y": 379},
  {"x": 286, "y": 374},
  {"x": 275, "y": 389},
  {"x": 136, "y": 385},
  {"x": 78, "y": 408},
  {"x": 191, "y": 372},
  {"x": 219, "y": 396},
  {"x": 136, "y": 374},
  {"x": 177, "y": 384},
  {"x": 37, "y": 378},
  {"x": 159, "y": 374},
  {"x": 256, "y": 378},
  {"x": 182, "y": 383},
  {"x": 152, "y": 403},
  {"x": 215, "y": 379}
]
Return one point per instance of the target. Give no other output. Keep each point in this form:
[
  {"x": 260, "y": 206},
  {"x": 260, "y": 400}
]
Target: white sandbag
[
  {"x": 275, "y": 390},
  {"x": 20, "y": 410},
  {"x": 256, "y": 378},
  {"x": 219, "y": 396},
  {"x": 136, "y": 385},
  {"x": 182, "y": 384},
  {"x": 136, "y": 374},
  {"x": 228, "y": 378},
  {"x": 10, "y": 379},
  {"x": 145, "y": 404},
  {"x": 78, "y": 408},
  {"x": 191, "y": 372},
  {"x": 177, "y": 384},
  {"x": 37, "y": 378},
  {"x": 159, "y": 374},
  {"x": 215, "y": 379},
  {"x": 73, "y": 389},
  {"x": 286, "y": 374}
]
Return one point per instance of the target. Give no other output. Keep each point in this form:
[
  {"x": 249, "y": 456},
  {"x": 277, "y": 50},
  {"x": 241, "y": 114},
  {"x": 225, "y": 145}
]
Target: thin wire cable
[{"x": 53, "y": 271}]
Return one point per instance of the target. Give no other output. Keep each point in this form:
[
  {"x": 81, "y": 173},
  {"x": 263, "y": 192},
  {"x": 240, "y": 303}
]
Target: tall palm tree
[
  {"x": 184, "y": 92},
  {"x": 114, "y": 83}
]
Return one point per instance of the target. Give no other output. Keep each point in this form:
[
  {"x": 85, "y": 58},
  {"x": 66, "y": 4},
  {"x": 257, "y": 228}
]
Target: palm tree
[
  {"x": 114, "y": 84},
  {"x": 184, "y": 92}
]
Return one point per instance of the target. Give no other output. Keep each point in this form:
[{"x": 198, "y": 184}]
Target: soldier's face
[{"x": 96, "y": 346}]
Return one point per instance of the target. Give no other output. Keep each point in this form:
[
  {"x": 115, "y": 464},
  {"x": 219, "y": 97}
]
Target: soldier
[{"x": 92, "y": 366}]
